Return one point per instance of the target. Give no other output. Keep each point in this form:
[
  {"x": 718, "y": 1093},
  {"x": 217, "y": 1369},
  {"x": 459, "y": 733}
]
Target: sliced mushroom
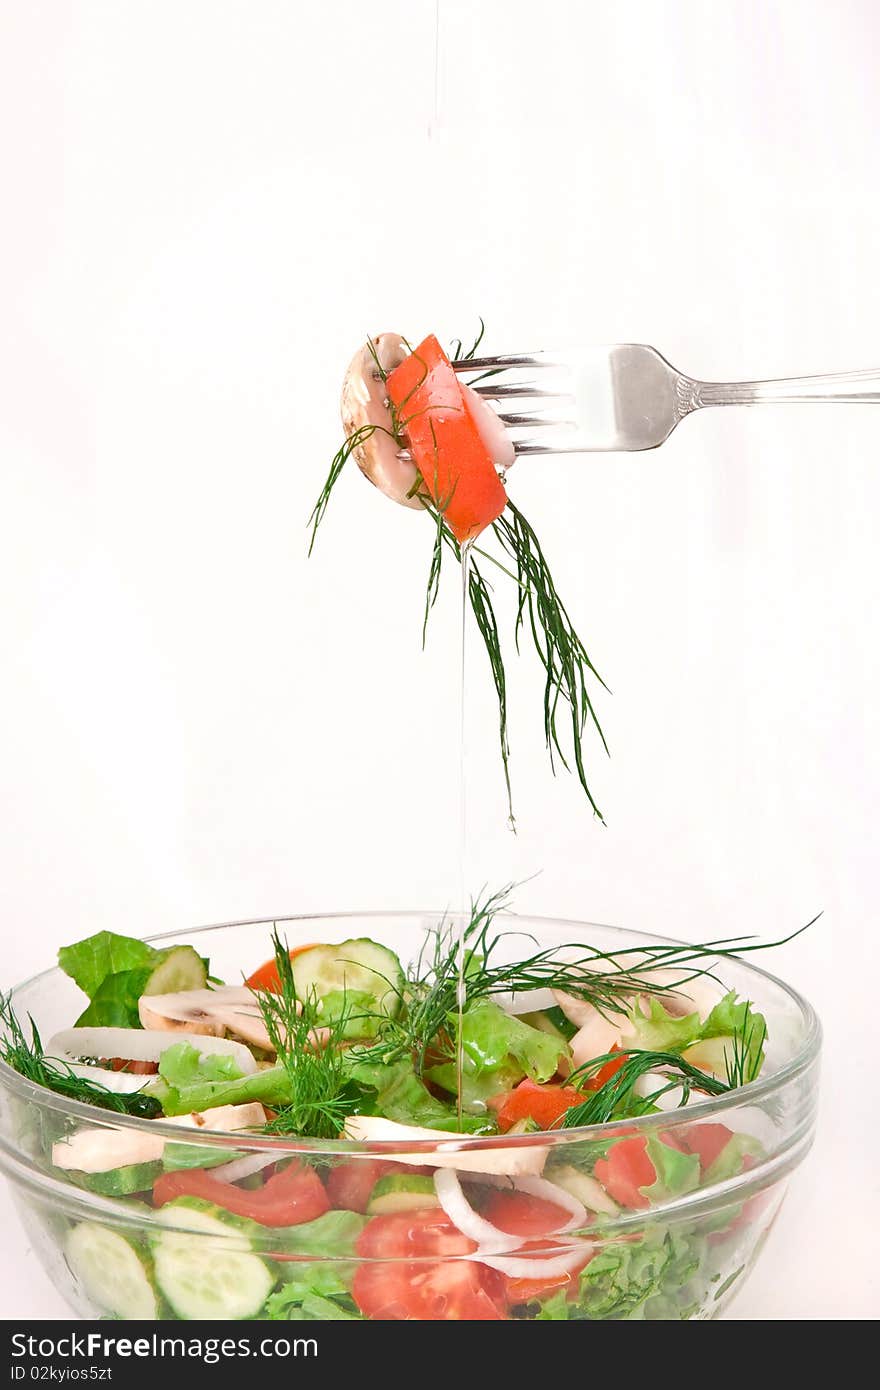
[
  {"x": 698, "y": 995},
  {"x": 232, "y": 1008},
  {"x": 365, "y": 403},
  {"x": 598, "y": 1034},
  {"x": 99, "y": 1150},
  {"x": 136, "y": 1045}
]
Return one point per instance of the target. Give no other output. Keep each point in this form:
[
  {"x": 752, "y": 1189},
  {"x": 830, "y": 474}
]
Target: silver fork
[{"x": 625, "y": 396}]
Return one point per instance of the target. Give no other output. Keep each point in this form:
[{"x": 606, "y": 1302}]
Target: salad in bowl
[{"x": 403, "y": 1116}]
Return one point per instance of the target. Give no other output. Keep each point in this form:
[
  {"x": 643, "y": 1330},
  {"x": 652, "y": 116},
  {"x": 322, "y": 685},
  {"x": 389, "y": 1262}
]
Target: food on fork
[{"x": 429, "y": 442}]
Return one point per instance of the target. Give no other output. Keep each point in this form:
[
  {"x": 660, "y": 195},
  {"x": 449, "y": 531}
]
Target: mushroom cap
[{"x": 365, "y": 402}]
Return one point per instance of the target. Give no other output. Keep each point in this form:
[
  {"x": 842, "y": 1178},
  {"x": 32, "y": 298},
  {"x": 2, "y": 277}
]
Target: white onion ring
[
  {"x": 539, "y": 1187},
  {"x": 534, "y": 1267},
  {"x": 141, "y": 1045},
  {"x": 462, "y": 1215},
  {"x": 243, "y": 1167}
]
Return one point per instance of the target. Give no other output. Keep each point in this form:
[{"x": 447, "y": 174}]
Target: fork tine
[
  {"x": 530, "y": 421},
  {"x": 504, "y": 391},
  {"x": 512, "y": 359}
]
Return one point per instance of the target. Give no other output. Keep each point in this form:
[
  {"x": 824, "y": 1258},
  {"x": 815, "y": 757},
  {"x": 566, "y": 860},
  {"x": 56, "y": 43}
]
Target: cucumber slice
[
  {"x": 181, "y": 968},
  {"x": 525, "y": 1126},
  {"x": 207, "y": 1271},
  {"x": 360, "y": 966},
  {"x": 112, "y": 1272},
  {"x": 117, "y": 1182},
  {"x": 402, "y": 1192}
]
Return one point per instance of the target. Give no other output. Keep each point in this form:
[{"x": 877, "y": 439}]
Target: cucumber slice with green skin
[
  {"x": 116, "y": 1182},
  {"x": 181, "y": 968},
  {"x": 525, "y": 1126},
  {"x": 359, "y": 966},
  {"x": 112, "y": 1272},
  {"x": 207, "y": 1270},
  {"x": 402, "y": 1192}
]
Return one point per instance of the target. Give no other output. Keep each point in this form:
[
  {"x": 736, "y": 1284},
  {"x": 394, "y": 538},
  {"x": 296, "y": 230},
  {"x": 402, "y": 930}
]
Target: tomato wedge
[
  {"x": 266, "y": 977},
  {"x": 605, "y": 1073},
  {"x": 289, "y": 1198},
  {"x": 527, "y": 1290},
  {"x": 350, "y": 1185},
  {"x": 521, "y": 1214},
  {"x": 708, "y": 1141},
  {"x": 546, "y": 1105},
  {"x": 626, "y": 1169},
  {"x": 400, "y": 1284},
  {"x": 445, "y": 443}
]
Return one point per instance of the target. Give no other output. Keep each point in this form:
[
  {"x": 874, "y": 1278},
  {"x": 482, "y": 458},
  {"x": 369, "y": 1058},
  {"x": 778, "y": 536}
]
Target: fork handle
[{"x": 850, "y": 387}]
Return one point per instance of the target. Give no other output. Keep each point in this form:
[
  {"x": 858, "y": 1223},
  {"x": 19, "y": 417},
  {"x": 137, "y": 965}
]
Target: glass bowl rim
[{"x": 755, "y": 1091}]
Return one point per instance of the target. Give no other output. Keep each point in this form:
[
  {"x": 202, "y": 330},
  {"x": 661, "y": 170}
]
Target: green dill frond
[
  {"x": 560, "y": 650},
  {"x": 609, "y": 980},
  {"x": 340, "y": 459},
  {"x": 321, "y": 1096},
  {"x": 29, "y": 1059},
  {"x": 618, "y": 1094},
  {"x": 458, "y": 353},
  {"x": 745, "y": 1059}
]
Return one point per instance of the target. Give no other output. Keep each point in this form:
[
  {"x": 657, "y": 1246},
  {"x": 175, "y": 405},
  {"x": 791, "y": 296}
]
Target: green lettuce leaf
[
  {"x": 732, "y": 1018},
  {"x": 115, "y": 1001},
  {"x": 354, "y": 1009},
  {"x": 331, "y": 1235},
  {"x": 623, "y": 1281},
  {"x": 182, "y": 1066},
  {"x": 677, "y": 1173},
  {"x": 657, "y": 1030},
  {"x": 499, "y": 1050},
  {"x": 319, "y": 1292},
  {"x": 729, "y": 1162},
  {"x": 89, "y": 962},
  {"x": 398, "y": 1094},
  {"x": 270, "y": 1087}
]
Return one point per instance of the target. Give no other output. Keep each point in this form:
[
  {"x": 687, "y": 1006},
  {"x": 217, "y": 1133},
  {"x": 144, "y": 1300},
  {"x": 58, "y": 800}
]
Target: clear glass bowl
[{"x": 666, "y": 1258}]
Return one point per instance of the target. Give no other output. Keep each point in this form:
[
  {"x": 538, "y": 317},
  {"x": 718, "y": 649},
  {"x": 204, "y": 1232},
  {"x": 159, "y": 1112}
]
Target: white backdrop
[{"x": 205, "y": 206}]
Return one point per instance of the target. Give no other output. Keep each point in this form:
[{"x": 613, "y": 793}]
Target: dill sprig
[
  {"x": 618, "y": 1093},
  {"x": 560, "y": 650},
  {"x": 29, "y": 1059},
  {"x": 321, "y": 1096},
  {"x": 340, "y": 459},
  {"x": 607, "y": 979},
  {"x": 743, "y": 1062}
]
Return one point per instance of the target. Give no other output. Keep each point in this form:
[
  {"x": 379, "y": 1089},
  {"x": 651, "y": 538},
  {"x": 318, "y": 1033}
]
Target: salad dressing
[{"x": 463, "y": 912}]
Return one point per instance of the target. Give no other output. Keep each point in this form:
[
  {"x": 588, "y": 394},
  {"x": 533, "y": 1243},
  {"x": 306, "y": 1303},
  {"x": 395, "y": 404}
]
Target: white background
[{"x": 205, "y": 207}]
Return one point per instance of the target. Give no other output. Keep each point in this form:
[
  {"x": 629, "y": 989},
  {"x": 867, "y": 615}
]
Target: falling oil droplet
[{"x": 463, "y": 914}]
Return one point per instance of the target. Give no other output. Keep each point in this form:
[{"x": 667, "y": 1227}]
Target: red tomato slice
[
  {"x": 520, "y": 1214},
  {"x": 456, "y": 1291},
  {"x": 546, "y": 1105},
  {"x": 708, "y": 1141},
  {"x": 289, "y": 1198},
  {"x": 626, "y": 1170},
  {"x": 527, "y": 1290},
  {"x": 266, "y": 977},
  {"x": 446, "y": 445},
  {"x": 400, "y": 1286},
  {"x": 350, "y": 1185},
  {"x": 411, "y": 1235},
  {"x": 135, "y": 1068},
  {"x": 604, "y": 1073}
]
